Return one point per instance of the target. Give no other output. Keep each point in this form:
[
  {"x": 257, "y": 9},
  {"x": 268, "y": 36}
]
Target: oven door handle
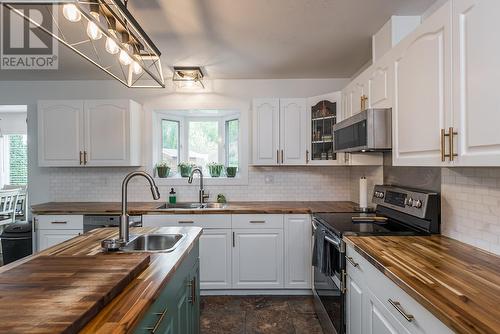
[{"x": 336, "y": 243}]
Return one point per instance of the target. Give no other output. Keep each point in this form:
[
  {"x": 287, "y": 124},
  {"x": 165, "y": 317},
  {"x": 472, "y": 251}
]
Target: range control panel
[{"x": 409, "y": 201}]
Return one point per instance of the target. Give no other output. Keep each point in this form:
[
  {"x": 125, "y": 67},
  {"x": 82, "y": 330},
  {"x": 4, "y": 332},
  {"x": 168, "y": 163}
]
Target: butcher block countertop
[
  {"x": 458, "y": 283},
  {"x": 138, "y": 208},
  {"x": 125, "y": 310}
]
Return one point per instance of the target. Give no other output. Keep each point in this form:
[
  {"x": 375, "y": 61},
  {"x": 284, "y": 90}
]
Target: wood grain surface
[
  {"x": 124, "y": 311},
  {"x": 60, "y": 294},
  {"x": 458, "y": 283},
  {"x": 139, "y": 208}
]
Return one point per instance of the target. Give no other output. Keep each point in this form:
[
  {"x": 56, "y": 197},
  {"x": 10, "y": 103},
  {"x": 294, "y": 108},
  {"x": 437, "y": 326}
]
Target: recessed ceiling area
[{"x": 258, "y": 39}]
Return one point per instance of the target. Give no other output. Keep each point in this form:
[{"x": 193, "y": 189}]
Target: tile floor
[{"x": 258, "y": 314}]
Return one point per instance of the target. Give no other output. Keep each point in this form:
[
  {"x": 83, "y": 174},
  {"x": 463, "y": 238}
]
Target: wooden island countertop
[
  {"x": 138, "y": 208},
  {"x": 458, "y": 283},
  {"x": 124, "y": 311}
]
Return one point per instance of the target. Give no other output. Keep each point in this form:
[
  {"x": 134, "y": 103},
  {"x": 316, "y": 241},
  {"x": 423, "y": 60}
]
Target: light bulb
[
  {"x": 71, "y": 13},
  {"x": 93, "y": 30},
  {"x": 136, "y": 68},
  {"x": 124, "y": 58},
  {"x": 111, "y": 46}
]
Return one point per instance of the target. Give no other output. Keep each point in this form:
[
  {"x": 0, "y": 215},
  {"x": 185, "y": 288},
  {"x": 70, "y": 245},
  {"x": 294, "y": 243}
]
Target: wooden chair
[{"x": 8, "y": 205}]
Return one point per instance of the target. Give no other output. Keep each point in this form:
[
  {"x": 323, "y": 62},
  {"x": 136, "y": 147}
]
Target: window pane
[
  {"x": 203, "y": 142},
  {"x": 232, "y": 136},
  {"x": 170, "y": 142},
  {"x": 18, "y": 159}
]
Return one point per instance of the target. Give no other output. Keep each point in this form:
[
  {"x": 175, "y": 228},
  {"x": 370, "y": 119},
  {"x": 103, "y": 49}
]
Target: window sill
[{"x": 183, "y": 181}]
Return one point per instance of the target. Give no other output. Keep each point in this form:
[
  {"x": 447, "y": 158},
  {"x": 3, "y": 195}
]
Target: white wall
[{"x": 225, "y": 94}]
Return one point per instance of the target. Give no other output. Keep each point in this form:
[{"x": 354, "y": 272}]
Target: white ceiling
[{"x": 247, "y": 39}]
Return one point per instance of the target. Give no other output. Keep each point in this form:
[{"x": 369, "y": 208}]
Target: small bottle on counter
[{"x": 172, "y": 198}]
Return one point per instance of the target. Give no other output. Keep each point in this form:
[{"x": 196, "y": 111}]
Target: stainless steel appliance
[
  {"x": 399, "y": 211},
  {"x": 369, "y": 130},
  {"x": 91, "y": 222}
]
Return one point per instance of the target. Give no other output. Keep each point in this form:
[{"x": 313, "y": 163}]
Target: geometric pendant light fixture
[{"x": 106, "y": 34}]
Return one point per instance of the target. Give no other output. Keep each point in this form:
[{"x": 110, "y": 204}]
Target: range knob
[
  {"x": 417, "y": 204},
  {"x": 409, "y": 201},
  {"x": 379, "y": 194}
]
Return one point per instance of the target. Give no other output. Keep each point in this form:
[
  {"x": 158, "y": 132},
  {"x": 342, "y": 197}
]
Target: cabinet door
[
  {"x": 293, "y": 131},
  {"x": 422, "y": 88},
  {"x": 266, "y": 132},
  {"x": 298, "y": 252},
  {"x": 49, "y": 238},
  {"x": 476, "y": 74},
  {"x": 380, "y": 84},
  {"x": 346, "y": 105},
  {"x": 354, "y": 306},
  {"x": 258, "y": 259},
  {"x": 60, "y": 133},
  {"x": 378, "y": 319},
  {"x": 107, "y": 137},
  {"x": 215, "y": 259}
]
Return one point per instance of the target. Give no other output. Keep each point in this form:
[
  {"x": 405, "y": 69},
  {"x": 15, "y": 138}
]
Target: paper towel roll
[{"x": 363, "y": 193}]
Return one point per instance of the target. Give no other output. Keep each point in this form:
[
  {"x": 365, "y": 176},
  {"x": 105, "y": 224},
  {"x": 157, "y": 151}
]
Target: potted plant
[
  {"x": 162, "y": 169},
  {"x": 185, "y": 168},
  {"x": 215, "y": 169},
  {"x": 231, "y": 171}
]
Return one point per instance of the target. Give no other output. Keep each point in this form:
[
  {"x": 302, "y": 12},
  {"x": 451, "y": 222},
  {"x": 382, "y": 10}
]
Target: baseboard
[{"x": 250, "y": 292}]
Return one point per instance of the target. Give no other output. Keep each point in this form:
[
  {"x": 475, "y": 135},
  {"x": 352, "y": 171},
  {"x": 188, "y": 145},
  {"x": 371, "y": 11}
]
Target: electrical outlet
[{"x": 269, "y": 179}]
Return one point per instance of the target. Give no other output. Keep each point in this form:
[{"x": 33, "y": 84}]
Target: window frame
[
  {"x": 243, "y": 143},
  {"x": 160, "y": 146}
]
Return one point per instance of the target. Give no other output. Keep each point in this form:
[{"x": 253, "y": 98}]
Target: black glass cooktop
[{"x": 343, "y": 224}]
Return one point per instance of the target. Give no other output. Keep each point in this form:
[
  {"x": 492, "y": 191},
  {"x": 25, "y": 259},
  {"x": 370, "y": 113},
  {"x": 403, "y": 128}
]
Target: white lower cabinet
[
  {"x": 258, "y": 258},
  {"x": 376, "y": 305},
  {"x": 215, "y": 245},
  {"x": 215, "y": 259},
  {"x": 53, "y": 229},
  {"x": 298, "y": 251}
]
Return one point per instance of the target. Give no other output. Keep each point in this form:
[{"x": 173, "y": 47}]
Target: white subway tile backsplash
[
  {"x": 470, "y": 206},
  {"x": 289, "y": 184}
]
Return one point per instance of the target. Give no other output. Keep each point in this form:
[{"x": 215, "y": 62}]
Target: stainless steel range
[{"x": 399, "y": 211}]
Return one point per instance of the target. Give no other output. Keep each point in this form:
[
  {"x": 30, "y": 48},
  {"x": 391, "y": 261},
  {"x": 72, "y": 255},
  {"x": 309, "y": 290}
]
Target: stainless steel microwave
[{"x": 367, "y": 131}]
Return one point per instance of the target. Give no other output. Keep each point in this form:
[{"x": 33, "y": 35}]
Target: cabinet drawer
[
  {"x": 257, "y": 221},
  {"x": 394, "y": 298},
  {"x": 60, "y": 222},
  {"x": 207, "y": 221}
]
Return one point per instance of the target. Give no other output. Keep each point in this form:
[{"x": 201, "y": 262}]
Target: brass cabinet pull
[
  {"x": 399, "y": 308},
  {"x": 81, "y": 157},
  {"x": 282, "y": 156},
  {"x": 278, "y": 156},
  {"x": 158, "y": 322},
  {"x": 59, "y": 222},
  {"x": 307, "y": 156},
  {"x": 351, "y": 261},
  {"x": 85, "y": 157},
  {"x": 257, "y": 222},
  {"x": 451, "y": 133},
  {"x": 186, "y": 222}
]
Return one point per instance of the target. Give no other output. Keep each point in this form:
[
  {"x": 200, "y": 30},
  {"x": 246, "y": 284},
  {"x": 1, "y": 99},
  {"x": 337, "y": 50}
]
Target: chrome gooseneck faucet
[
  {"x": 202, "y": 196},
  {"x": 124, "y": 223}
]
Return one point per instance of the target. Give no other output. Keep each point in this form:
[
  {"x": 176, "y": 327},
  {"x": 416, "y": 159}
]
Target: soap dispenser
[{"x": 172, "y": 198}]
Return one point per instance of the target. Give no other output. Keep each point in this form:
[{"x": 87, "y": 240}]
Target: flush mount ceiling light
[
  {"x": 106, "y": 34},
  {"x": 188, "y": 76}
]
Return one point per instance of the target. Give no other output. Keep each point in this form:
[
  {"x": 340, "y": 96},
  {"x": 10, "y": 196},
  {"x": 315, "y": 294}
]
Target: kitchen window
[{"x": 199, "y": 137}]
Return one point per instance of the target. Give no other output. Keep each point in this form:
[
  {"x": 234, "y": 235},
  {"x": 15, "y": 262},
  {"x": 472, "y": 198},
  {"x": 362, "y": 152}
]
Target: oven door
[{"x": 328, "y": 290}]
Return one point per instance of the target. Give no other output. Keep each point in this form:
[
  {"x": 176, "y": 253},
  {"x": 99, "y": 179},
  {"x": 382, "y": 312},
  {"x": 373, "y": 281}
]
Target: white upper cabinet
[
  {"x": 279, "y": 132},
  {"x": 293, "y": 132},
  {"x": 422, "y": 91},
  {"x": 476, "y": 74},
  {"x": 60, "y": 133},
  {"x": 111, "y": 137},
  {"x": 89, "y": 133},
  {"x": 266, "y": 134},
  {"x": 380, "y": 84}
]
